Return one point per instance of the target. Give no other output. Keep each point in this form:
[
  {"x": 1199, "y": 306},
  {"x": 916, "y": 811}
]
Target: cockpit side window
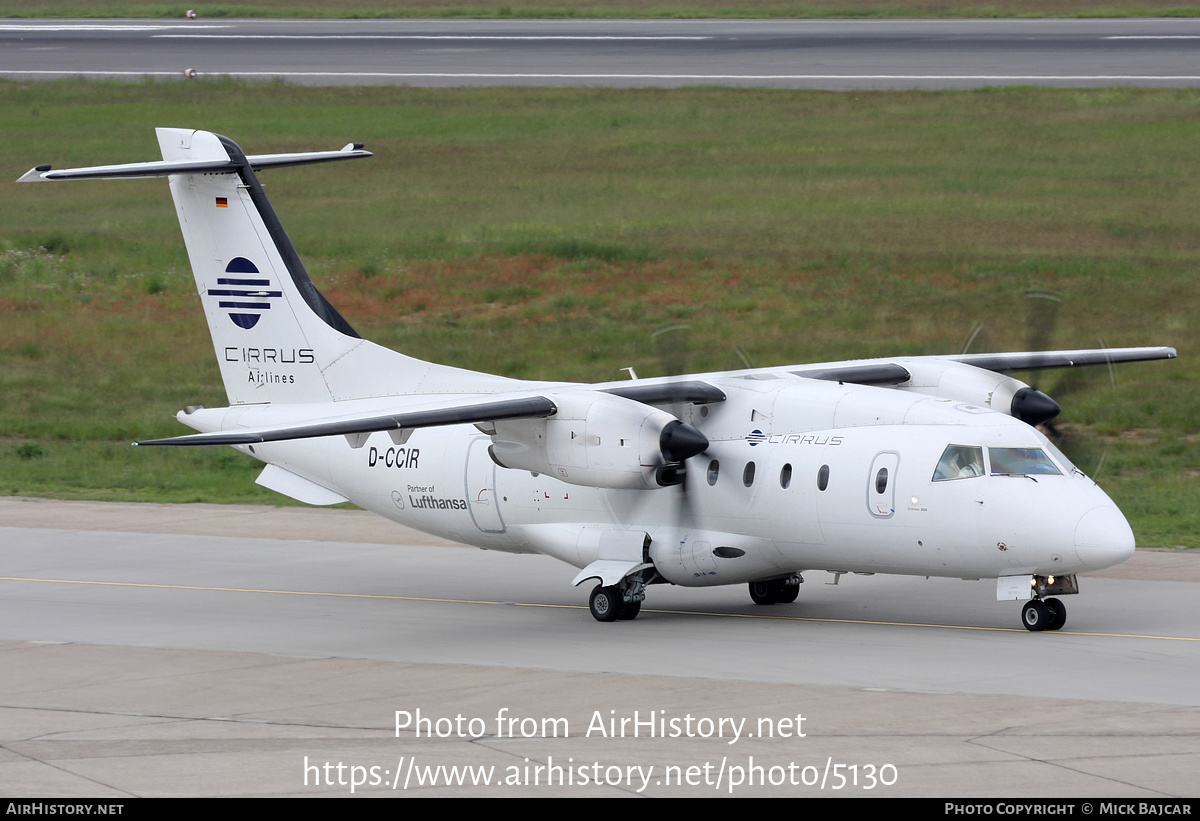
[
  {"x": 1021, "y": 462},
  {"x": 959, "y": 462}
]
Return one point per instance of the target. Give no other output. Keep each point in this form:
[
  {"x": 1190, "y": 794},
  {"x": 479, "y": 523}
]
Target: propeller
[
  {"x": 671, "y": 345},
  {"x": 1083, "y": 448},
  {"x": 680, "y": 440},
  {"x": 1035, "y": 407},
  {"x": 1030, "y": 405}
]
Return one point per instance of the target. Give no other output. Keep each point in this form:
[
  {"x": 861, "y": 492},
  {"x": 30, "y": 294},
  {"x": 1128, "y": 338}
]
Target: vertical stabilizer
[
  {"x": 276, "y": 337},
  {"x": 272, "y": 330}
]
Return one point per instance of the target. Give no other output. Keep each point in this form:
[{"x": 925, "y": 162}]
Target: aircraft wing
[
  {"x": 458, "y": 413},
  {"x": 1039, "y": 360}
]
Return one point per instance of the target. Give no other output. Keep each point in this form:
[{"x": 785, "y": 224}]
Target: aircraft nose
[{"x": 1103, "y": 538}]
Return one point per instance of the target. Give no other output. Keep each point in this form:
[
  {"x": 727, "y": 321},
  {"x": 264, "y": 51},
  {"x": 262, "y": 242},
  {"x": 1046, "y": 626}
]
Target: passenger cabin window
[
  {"x": 823, "y": 477},
  {"x": 1021, "y": 462},
  {"x": 748, "y": 474},
  {"x": 785, "y": 476},
  {"x": 959, "y": 462},
  {"x": 881, "y": 481},
  {"x": 714, "y": 468}
]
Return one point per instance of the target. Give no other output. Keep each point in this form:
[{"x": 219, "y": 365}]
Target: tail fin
[
  {"x": 273, "y": 331},
  {"x": 276, "y": 337}
]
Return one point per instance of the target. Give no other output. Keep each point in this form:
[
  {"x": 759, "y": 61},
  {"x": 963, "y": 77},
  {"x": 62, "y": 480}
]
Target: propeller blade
[
  {"x": 1042, "y": 319},
  {"x": 673, "y": 349}
]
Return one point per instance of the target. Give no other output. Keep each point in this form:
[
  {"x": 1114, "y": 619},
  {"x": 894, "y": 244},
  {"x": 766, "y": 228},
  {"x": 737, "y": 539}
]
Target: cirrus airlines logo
[
  {"x": 243, "y": 295},
  {"x": 757, "y": 437}
]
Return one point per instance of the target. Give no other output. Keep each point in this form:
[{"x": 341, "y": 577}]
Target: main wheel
[
  {"x": 630, "y": 610},
  {"x": 605, "y": 603},
  {"x": 1058, "y": 614},
  {"x": 762, "y": 592},
  {"x": 1035, "y": 615},
  {"x": 784, "y": 593}
]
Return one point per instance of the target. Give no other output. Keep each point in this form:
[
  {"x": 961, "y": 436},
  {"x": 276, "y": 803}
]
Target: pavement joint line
[
  {"x": 765, "y": 616},
  {"x": 698, "y": 77}
]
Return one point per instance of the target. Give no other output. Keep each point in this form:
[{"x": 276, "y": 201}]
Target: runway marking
[
  {"x": 702, "y": 77},
  {"x": 767, "y": 616},
  {"x": 253, "y": 590},
  {"x": 1153, "y": 37},
  {"x": 649, "y": 37},
  {"x": 106, "y": 27}
]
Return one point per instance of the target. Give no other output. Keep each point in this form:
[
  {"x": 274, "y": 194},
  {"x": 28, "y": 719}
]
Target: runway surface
[
  {"x": 828, "y": 54},
  {"x": 142, "y": 660}
]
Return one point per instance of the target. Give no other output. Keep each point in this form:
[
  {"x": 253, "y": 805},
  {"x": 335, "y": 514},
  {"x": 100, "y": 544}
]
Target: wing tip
[{"x": 35, "y": 174}]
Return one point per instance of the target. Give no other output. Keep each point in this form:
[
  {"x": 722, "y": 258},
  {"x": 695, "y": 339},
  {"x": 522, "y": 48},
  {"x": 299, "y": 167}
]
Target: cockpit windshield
[
  {"x": 959, "y": 462},
  {"x": 1021, "y": 462},
  {"x": 1061, "y": 459}
]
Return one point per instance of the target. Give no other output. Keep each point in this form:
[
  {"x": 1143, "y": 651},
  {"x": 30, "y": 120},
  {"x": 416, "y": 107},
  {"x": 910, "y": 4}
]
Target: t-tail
[{"x": 276, "y": 337}]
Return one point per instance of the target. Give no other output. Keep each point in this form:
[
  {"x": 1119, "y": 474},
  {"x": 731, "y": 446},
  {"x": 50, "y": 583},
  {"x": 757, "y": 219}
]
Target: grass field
[
  {"x": 605, "y": 8},
  {"x": 549, "y": 233}
]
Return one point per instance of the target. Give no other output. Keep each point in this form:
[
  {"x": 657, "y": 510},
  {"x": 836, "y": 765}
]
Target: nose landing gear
[
  {"x": 1042, "y": 611},
  {"x": 1043, "y": 614}
]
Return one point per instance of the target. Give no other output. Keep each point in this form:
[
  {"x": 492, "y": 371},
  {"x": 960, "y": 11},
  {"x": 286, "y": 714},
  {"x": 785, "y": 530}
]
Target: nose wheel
[{"x": 1043, "y": 614}]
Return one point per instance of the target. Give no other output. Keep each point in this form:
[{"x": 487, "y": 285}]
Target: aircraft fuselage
[{"x": 791, "y": 481}]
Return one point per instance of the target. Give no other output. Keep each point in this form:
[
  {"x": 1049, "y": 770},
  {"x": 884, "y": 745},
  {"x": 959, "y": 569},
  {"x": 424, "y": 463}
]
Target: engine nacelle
[
  {"x": 598, "y": 440},
  {"x": 988, "y": 389}
]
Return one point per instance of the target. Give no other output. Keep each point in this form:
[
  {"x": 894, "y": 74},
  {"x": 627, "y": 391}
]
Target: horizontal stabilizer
[
  {"x": 524, "y": 407},
  {"x": 163, "y": 168}
]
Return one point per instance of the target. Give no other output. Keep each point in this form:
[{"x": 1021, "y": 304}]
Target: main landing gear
[
  {"x": 776, "y": 591},
  {"x": 616, "y": 602},
  {"x": 1043, "y": 614}
]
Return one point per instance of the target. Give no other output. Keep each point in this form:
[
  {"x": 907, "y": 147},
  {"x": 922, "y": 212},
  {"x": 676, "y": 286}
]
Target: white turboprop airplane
[{"x": 927, "y": 465}]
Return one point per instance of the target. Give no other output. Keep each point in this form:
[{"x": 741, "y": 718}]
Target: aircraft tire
[
  {"x": 630, "y": 610},
  {"x": 762, "y": 592},
  {"x": 605, "y": 603},
  {"x": 785, "y": 593},
  {"x": 1036, "y": 616},
  {"x": 1058, "y": 614}
]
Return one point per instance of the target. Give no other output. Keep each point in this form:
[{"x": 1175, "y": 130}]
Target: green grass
[
  {"x": 548, "y": 233},
  {"x": 559, "y": 9}
]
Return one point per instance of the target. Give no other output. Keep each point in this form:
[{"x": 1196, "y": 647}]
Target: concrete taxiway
[{"x": 210, "y": 650}]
